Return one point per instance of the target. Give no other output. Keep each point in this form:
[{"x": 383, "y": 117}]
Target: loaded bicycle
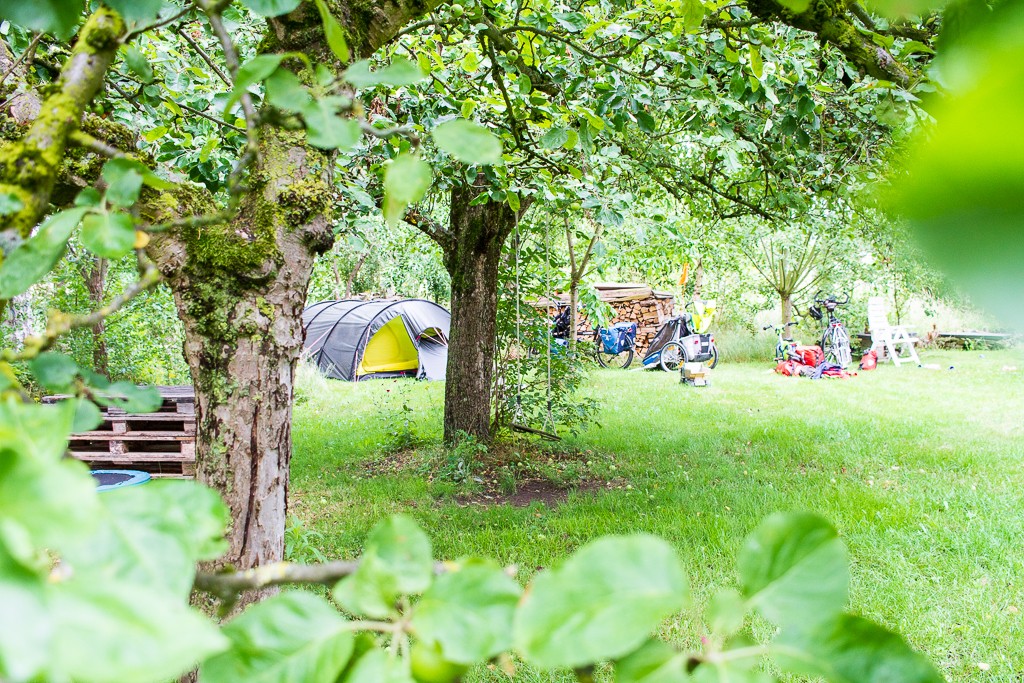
[
  {"x": 785, "y": 347},
  {"x": 614, "y": 346},
  {"x": 835, "y": 340}
]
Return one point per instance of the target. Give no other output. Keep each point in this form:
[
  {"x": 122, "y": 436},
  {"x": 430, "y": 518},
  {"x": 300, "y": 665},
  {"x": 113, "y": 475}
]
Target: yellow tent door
[{"x": 389, "y": 350}]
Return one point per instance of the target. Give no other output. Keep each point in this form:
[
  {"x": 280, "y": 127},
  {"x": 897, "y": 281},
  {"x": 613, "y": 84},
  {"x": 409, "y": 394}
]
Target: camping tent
[{"x": 354, "y": 339}]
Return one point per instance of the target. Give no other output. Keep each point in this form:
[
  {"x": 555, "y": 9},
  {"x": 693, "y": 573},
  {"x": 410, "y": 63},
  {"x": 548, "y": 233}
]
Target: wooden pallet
[{"x": 162, "y": 443}]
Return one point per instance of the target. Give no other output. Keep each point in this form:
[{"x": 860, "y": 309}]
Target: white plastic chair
[{"x": 888, "y": 337}]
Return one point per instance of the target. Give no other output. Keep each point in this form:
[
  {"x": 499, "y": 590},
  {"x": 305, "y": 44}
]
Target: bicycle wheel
[
  {"x": 672, "y": 356},
  {"x": 619, "y": 360},
  {"x": 843, "y": 352},
  {"x": 714, "y": 358},
  {"x": 836, "y": 345}
]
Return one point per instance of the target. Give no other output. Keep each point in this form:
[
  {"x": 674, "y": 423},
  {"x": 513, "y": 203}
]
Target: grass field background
[{"x": 922, "y": 472}]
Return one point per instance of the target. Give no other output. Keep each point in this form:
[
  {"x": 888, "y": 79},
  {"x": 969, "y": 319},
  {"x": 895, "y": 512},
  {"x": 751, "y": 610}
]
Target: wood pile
[
  {"x": 161, "y": 443},
  {"x": 632, "y": 302}
]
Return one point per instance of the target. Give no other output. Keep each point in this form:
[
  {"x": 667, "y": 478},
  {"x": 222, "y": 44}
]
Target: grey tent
[{"x": 356, "y": 340}]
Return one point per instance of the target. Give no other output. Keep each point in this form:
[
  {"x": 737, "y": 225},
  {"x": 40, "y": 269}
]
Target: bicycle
[
  {"x": 835, "y": 340},
  {"x": 785, "y": 347},
  {"x": 614, "y": 346}
]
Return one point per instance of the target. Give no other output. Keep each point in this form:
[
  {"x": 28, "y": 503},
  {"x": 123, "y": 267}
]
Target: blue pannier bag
[{"x": 618, "y": 337}]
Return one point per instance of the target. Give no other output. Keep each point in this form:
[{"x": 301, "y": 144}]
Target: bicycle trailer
[
  {"x": 697, "y": 348},
  {"x": 674, "y": 328}
]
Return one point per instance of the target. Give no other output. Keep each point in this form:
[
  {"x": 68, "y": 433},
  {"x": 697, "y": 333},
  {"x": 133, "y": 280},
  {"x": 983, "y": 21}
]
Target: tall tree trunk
[
  {"x": 472, "y": 250},
  {"x": 96, "y": 283},
  {"x": 355, "y": 272},
  {"x": 21, "y": 319},
  {"x": 240, "y": 289},
  {"x": 698, "y": 278},
  {"x": 787, "y": 307}
]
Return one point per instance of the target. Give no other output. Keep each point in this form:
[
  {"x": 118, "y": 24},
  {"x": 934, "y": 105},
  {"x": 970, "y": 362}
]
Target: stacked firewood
[{"x": 632, "y": 303}]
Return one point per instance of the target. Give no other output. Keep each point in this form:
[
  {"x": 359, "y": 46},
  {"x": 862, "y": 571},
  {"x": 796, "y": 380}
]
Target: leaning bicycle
[
  {"x": 835, "y": 340},
  {"x": 614, "y": 346}
]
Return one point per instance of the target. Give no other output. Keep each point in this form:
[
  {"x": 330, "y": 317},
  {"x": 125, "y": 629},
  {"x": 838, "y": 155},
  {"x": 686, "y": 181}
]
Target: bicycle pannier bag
[
  {"x": 618, "y": 337},
  {"x": 811, "y": 355}
]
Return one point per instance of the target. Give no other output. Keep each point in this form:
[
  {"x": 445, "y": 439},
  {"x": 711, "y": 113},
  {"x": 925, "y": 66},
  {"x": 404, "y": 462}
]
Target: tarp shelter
[{"x": 356, "y": 340}]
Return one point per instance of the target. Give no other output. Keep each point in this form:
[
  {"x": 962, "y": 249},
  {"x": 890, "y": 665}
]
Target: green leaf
[
  {"x": 573, "y": 22},
  {"x": 794, "y": 569},
  {"x": 110, "y": 235},
  {"x": 400, "y": 72},
  {"x": 333, "y": 31},
  {"x": 26, "y": 628},
  {"x": 124, "y": 180},
  {"x": 967, "y": 216},
  {"x": 554, "y": 138},
  {"x": 55, "y": 371},
  {"x": 850, "y": 649},
  {"x": 328, "y": 130},
  {"x": 513, "y": 201},
  {"x": 111, "y": 633},
  {"x": 602, "y": 603},
  {"x": 211, "y": 144},
  {"x": 153, "y": 536},
  {"x": 87, "y": 416},
  {"x": 468, "y": 142},
  {"x": 286, "y": 92},
  {"x": 377, "y": 667},
  {"x": 155, "y": 133},
  {"x": 646, "y": 122},
  {"x": 271, "y": 8},
  {"x": 252, "y": 72},
  {"x": 726, "y": 612},
  {"x": 52, "y": 499},
  {"x": 10, "y": 204},
  {"x": 468, "y": 612},
  {"x": 138, "y": 64},
  {"x": 406, "y": 180},
  {"x": 653, "y": 662},
  {"x": 34, "y": 258},
  {"x": 404, "y": 551},
  {"x": 295, "y": 637},
  {"x": 130, "y": 398},
  {"x": 756, "y": 65},
  {"x": 59, "y": 17},
  {"x": 139, "y": 10},
  {"x": 692, "y": 14}
]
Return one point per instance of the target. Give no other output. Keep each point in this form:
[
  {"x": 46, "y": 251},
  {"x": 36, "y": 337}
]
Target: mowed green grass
[{"x": 922, "y": 472}]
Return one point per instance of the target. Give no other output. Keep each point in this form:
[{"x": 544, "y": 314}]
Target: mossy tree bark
[
  {"x": 832, "y": 21},
  {"x": 240, "y": 288},
  {"x": 472, "y": 247}
]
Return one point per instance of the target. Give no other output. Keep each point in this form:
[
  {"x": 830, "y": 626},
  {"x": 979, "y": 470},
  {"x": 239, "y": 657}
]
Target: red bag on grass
[
  {"x": 789, "y": 368},
  {"x": 811, "y": 355},
  {"x": 869, "y": 361}
]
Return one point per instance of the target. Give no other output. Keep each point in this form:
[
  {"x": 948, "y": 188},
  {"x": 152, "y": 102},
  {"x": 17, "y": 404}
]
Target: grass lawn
[{"x": 922, "y": 472}]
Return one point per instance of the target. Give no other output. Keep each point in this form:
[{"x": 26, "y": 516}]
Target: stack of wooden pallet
[{"x": 161, "y": 443}]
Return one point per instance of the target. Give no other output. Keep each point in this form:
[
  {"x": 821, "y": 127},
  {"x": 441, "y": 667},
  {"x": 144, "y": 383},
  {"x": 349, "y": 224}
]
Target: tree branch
[{"x": 29, "y": 167}]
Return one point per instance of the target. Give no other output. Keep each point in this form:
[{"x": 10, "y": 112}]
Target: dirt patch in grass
[
  {"x": 518, "y": 474},
  {"x": 531, "y": 491}
]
